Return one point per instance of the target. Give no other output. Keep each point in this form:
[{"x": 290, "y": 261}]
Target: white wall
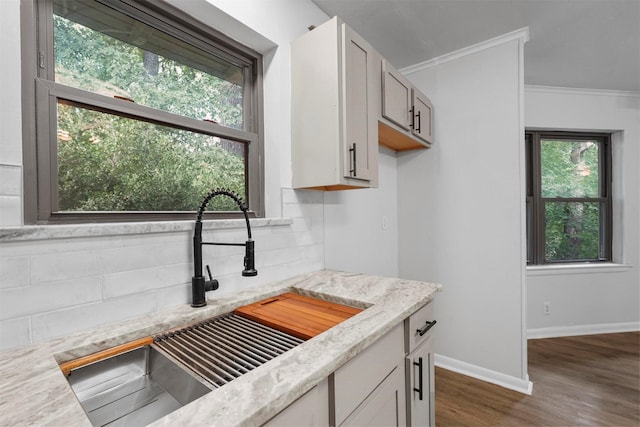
[
  {"x": 54, "y": 282},
  {"x": 461, "y": 209},
  {"x": 361, "y": 226},
  {"x": 588, "y": 299}
]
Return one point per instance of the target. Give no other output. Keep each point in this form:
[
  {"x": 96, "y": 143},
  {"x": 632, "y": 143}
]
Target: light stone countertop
[{"x": 33, "y": 390}]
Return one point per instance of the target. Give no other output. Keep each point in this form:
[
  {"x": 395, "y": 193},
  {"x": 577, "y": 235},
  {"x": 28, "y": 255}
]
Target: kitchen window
[
  {"x": 135, "y": 111},
  {"x": 568, "y": 197}
]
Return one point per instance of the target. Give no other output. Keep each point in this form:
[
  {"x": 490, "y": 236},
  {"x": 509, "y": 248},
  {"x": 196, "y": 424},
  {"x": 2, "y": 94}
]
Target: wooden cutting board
[{"x": 300, "y": 316}]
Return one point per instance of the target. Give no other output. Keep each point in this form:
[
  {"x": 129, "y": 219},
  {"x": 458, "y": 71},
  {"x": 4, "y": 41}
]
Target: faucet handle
[{"x": 211, "y": 284}]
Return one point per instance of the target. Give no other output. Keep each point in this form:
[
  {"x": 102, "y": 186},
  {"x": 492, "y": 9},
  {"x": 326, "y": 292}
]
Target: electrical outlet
[{"x": 547, "y": 307}]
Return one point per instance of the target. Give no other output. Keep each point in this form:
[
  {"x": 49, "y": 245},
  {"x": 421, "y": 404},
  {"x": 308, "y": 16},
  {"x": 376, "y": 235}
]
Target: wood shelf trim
[
  {"x": 397, "y": 140},
  {"x": 67, "y": 367}
]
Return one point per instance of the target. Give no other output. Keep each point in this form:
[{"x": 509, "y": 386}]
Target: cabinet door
[
  {"x": 310, "y": 410},
  {"x": 422, "y": 116},
  {"x": 357, "y": 378},
  {"x": 420, "y": 380},
  {"x": 334, "y": 133},
  {"x": 359, "y": 113},
  {"x": 384, "y": 406},
  {"x": 396, "y": 96}
]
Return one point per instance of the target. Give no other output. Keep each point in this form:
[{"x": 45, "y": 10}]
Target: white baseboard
[
  {"x": 507, "y": 381},
  {"x": 570, "y": 331}
]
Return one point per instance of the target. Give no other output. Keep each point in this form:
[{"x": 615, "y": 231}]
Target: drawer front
[
  {"x": 418, "y": 327},
  {"x": 357, "y": 378}
]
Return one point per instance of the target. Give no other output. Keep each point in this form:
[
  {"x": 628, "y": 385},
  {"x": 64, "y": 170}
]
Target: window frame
[
  {"x": 535, "y": 203},
  {"x": 40, "y": 94}
]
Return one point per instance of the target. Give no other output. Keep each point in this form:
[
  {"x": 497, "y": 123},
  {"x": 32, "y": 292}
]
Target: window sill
[
  {"x": 553, "y": 270},
  {"x": 67, "y": 231}
]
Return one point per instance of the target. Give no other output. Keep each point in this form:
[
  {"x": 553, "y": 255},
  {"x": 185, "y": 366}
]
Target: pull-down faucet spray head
[
  {"x": 199, "y": 285},
  {"x": 249, "y": 260}
]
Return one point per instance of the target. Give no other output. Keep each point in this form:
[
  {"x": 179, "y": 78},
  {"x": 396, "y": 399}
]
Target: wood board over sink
[{"x": 298, "y": 315}]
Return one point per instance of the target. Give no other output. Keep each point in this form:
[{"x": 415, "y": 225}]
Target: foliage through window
[
  {"x": 568, "y": 197},
  {"x": 141, "y": 111}
]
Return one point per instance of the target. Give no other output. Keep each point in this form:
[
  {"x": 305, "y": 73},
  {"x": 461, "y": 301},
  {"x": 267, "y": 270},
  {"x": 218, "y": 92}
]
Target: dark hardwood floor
[{"x": 589, "y": 380}]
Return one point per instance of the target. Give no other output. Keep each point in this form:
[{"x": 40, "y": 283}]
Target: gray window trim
[
  {"x": 536, "y": 203},
  {"x": 40, "y": 95}
]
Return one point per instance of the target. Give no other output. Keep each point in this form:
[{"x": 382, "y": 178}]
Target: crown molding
[
  {"x": 521, "y": 34},
  {"x": 579, "y": 91}
]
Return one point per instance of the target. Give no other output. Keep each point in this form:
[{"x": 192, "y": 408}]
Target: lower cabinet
[
  {"x": 420, "y": 382},
  {"x": 310, "y": 410},
  {"x": 385, "y": 406},
  {"x": 369, "y": 389},
  {"x": 419, "y": 368},
  {"x": 390, "y": 383}
]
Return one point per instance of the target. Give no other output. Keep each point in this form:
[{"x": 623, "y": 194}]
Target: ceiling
[{"x": 591, "y": 44}]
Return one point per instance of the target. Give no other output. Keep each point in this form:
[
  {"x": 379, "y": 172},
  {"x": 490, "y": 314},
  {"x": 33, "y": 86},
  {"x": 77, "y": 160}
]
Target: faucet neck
[{"x": 198, "y": 282}]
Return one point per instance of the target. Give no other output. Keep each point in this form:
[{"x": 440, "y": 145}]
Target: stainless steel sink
[
  {"x": 134, "y": 388},
  {"x": 143, "y": 385}
]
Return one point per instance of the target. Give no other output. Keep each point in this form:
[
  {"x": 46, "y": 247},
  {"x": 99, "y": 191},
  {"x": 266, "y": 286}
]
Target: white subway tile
[
  {"x": 142, "y": 280},
  {"x": 174, "y": 295},
  {"x": 57, "y": 266},
  {"x": 17, "y": 302},
  {"x": 14, "y": 271},
  {"x": 59, "y": 246},
  {"x": 14, "y": 332},
  {"x": 301, "y": 225},
  {"x": 10, "y": 211},
  {"x": 173, "y": 253},
  {"x": 10, "y": 180},
  {"x": 171, "y": 238},
  {"x": 66, "y": 321},
  {"x": 126, "y": 258},
  {"x": 279, "y": 256},
  {"x": 291, "y": 196},
  {"x": 270, "y": 241},
  {"x": 140, "y": 273}
]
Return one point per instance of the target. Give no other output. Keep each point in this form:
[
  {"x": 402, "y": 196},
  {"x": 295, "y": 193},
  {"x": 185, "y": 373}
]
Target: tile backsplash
[{"x": 58, "y": 280}]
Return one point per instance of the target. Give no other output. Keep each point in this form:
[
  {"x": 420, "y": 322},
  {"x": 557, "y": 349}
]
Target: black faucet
[{"x": 199, "y": 285}]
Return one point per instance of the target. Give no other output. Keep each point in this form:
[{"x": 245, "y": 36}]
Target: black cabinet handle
[
  {"x": 419, "y": 389},
  {"x": 413, "y": 118},
  {"x": 352, "y": 153},
  {"x": 426, "y": 327},
  {"x": 419, "y": 121}
]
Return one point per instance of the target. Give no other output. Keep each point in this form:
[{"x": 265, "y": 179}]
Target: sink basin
[
  {"x": 140, "y": 382},
  {"x": 134, "y": 388}
]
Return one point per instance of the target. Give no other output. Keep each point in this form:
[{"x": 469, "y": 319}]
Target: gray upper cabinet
[
  {"x": 422, "y": 116},
  {"x": 334, "y": 109},
  {"x": 396, "y": 97},
  {"x": 406, "y": 114}
]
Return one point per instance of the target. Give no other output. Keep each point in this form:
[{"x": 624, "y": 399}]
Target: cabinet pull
[
  {"x": 413, "y": 118},
  {"x": 425, "y": 328},
  {"x": 419, "y": 389},
  {"x": 352, "y": 155},
  {"x": 419, "y": 121}
]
